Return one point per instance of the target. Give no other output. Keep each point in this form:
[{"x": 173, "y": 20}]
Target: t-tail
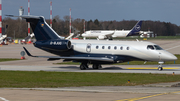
[
  {"x": 41, "y": 29},
  {"x": 46, "y": 38},
  {"x": 135, "y": 30}
]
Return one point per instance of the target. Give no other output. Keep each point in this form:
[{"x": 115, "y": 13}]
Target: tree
[{"x": 61, "y": 26}]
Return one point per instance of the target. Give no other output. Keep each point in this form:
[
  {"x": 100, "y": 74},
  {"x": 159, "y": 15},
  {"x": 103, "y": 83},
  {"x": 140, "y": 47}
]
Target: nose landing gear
[
  {"x": 160, "y": 65},
  {"x": 160, "y": 68}
]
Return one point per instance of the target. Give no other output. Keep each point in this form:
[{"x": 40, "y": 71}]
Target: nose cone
[
  {"x": 169, "y": 57},
  {"x": 173, "y": 58}
]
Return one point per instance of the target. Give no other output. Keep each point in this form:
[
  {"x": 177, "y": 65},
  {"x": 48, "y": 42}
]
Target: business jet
[
  {"x": 96, "y": 52},
  {"x": 109, "y": 34}
]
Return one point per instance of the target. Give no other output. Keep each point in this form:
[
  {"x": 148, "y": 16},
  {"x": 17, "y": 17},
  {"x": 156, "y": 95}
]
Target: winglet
[{"x": 27, "y": 52}]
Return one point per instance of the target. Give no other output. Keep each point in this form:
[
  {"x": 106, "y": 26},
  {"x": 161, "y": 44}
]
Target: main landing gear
[
  {"x": 84, "y": 66},
  {"x": 97, "y": 66},
  {"x": 160, "y": 68}
]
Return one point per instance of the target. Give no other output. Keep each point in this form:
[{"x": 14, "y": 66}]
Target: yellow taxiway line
[
  {"x": 140, "y": 98},
  {"x": 151, "y": 68}
]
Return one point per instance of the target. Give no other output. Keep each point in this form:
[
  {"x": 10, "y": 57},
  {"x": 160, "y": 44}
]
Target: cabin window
[
  {"x": 121, "y": 48},
  {"x": 97, "y": 47},
  {"x": 103, "y": 47},
  {"x": 109, "y": 47},
  {"x": 115, "y": 47},
  {"x": 157, "y": 47},
  {"x": 150, "y": 47},
  {"x": 88, "y": 46},
  {"x": 127, "y": 48}
]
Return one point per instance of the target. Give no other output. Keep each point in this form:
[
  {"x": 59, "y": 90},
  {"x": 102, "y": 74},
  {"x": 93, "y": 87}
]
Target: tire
[
  {"x": 160, "y": 68},
  {"x": 97, "y": 66},
  {"x": 82, "y": 66}
]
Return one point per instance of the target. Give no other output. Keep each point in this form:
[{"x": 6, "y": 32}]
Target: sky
[{"x": 103, "y": 10}]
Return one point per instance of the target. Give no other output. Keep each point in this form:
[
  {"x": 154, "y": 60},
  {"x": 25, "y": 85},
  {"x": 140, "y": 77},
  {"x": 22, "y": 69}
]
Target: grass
[
  {"x": 132, "y": 62},
  {"x": 166, "y": 37},
  {"x": 31, "y": 79},
  {"x": 7, "y": 59},
  {"x": 159, "y": 37}
]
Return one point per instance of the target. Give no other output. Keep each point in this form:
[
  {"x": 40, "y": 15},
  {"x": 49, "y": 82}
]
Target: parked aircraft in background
[
  {"x": 27, "y": 39},
  {"x": 109, "y": 34},
  {"x": 96, "y": 52},
  {"x": 147, "y": 34},
  {"x": 2, "y": 38}
]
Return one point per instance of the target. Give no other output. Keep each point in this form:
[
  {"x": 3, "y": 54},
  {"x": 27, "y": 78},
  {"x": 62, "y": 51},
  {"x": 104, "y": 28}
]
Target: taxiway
[{"x": 156, "y": 92}]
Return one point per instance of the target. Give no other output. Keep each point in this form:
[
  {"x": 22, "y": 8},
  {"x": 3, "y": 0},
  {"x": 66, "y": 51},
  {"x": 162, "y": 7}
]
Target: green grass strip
[
  {"x": 7, "y": 59},
  {"x": 31, "y": 79}
]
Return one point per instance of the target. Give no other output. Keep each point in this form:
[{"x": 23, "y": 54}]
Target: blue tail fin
[
  {"x": 41, "y": 29},
  {"x": 135, "y": 30}
]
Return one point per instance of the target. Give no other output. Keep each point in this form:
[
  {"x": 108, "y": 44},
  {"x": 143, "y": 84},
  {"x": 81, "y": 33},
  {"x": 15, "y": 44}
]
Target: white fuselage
[
  {"x": 124, "y": 48},
  {"x": 113, "y": 33}
]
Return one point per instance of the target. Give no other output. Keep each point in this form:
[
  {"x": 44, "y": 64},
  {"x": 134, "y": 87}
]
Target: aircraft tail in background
[{"x": 135, "y": 30}]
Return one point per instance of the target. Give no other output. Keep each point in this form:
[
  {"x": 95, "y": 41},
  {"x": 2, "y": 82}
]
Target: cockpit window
[
  {"x": 158, "y": 47},
  {"x": 150, "y": 47}
]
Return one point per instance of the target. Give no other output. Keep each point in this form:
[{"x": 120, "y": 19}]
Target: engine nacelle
[
  {"x": 101, "y": 37},
  {"x": 56, "y": 45}
]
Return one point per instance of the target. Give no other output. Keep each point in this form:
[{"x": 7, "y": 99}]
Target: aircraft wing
[
  {"x": 109, "y": 34},
  {"x": 71, "y": 58}
]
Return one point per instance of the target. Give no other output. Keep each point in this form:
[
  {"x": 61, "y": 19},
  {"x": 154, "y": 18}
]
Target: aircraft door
[{"x": 88, "y": 48}]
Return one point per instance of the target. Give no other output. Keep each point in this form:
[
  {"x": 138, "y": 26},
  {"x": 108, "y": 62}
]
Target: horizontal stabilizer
[
  {"x": 52, "y": 59},
  {"x": 27, "y": 52}
]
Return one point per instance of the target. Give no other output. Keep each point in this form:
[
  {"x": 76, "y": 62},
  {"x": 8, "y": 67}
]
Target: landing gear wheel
[
  {"x": 97, "y": 66},
  {"x": 160, "y": 68},
  {"x": 160, "y": 65},
  {"x": 83, "y": 66}
]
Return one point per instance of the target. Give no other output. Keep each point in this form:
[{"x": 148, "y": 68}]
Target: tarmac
[{"x": 157, "y": 92}]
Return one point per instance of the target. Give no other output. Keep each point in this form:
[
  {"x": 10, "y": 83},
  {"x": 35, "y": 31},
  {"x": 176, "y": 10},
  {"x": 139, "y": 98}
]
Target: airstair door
[{"x": 88, "y": 48}]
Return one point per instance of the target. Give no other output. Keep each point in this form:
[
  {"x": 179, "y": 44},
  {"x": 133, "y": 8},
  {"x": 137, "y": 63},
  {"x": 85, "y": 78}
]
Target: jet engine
[
  {"x": 101, "y": 37},
  {"x": 56, "y": 45}
]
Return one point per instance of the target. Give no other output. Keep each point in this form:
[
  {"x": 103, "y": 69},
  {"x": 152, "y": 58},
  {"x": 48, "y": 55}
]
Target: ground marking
[
  {"x": 151, "y": 68},
  {"x": 140, "y": 98},
  {"x": 172, "y": 47},
  {"x": 3, "y": 99}
]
